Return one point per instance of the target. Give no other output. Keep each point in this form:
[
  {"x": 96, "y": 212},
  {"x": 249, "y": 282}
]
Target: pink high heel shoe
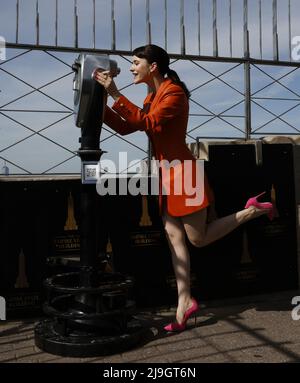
[
  {"x": 176, "y": 327},
  {"x": 261, "y": 205}
]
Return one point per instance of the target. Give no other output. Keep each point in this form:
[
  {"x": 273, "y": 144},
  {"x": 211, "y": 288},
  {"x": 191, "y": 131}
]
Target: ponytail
[{"x": 175, "y": 78}]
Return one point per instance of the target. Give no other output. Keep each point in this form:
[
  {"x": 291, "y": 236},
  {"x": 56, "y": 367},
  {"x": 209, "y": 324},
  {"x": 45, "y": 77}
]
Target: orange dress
[{"x": 164, "y": 118}]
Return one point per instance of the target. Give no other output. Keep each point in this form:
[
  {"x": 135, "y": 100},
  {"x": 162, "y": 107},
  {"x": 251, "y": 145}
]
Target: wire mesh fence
[{"x": 235, "y": 56}]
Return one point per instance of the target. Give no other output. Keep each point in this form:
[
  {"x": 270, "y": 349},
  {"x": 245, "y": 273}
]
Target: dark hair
[{"x": 154, "y": 53}]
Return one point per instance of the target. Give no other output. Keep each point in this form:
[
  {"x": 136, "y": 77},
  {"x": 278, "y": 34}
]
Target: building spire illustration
[{"x": 70, "y": 222}]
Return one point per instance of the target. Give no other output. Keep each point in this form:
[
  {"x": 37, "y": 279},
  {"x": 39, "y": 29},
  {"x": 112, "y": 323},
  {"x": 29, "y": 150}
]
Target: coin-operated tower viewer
[{"x": 90, "y": 312}]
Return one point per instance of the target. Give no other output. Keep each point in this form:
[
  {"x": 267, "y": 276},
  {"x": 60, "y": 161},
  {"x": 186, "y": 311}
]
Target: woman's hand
[{"x": 105, "y": 79}]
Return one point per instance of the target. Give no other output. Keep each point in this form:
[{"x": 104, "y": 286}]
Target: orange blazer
[{"x": 164, "y": 118}]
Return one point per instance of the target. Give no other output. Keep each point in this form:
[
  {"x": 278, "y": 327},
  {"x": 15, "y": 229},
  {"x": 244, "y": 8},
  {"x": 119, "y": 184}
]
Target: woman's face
[{"x": 141, "y": 70}]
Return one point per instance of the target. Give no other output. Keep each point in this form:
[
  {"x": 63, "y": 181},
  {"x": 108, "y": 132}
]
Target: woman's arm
[
  {"x": 115, "y": 122},
  {"x": 112, "y": 119},
  {"x": 169, "y": 107}
]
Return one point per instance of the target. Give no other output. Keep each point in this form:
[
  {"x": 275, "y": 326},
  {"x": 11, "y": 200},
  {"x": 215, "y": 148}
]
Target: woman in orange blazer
[{"x": 164, "y": 118}]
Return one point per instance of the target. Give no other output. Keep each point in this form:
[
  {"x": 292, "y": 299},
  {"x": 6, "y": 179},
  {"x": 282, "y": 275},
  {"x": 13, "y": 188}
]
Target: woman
[{"x": 164, "y": 118}]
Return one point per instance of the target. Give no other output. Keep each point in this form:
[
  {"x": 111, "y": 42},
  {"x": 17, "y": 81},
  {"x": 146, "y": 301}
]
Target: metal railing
[
  {"x": 111, "y": 26},
  {"x": 246, "y": 64}
]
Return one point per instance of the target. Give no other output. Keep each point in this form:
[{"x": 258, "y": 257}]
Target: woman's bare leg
[
  {"x": 175, "y": 234},
  {"x": 201, "y": 233}
]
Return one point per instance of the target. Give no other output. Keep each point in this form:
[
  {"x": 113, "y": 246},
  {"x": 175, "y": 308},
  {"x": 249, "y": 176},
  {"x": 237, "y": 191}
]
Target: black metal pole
[
  {"x": 89, "y": 151},
  {"x": 247, "y": 68}
]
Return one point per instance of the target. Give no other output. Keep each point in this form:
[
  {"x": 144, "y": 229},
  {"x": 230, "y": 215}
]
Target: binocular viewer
[{"x": 89, "y": 96}]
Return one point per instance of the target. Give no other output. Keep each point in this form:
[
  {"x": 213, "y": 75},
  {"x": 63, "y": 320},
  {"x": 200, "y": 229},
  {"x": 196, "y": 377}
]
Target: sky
[{"x": 40, "y": 154}]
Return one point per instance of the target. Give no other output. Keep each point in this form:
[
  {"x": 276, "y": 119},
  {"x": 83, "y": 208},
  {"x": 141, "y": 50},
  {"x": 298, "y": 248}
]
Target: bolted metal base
[
  {"x": 87, "y": 344},
  {"x": 89, "y": 320}
]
